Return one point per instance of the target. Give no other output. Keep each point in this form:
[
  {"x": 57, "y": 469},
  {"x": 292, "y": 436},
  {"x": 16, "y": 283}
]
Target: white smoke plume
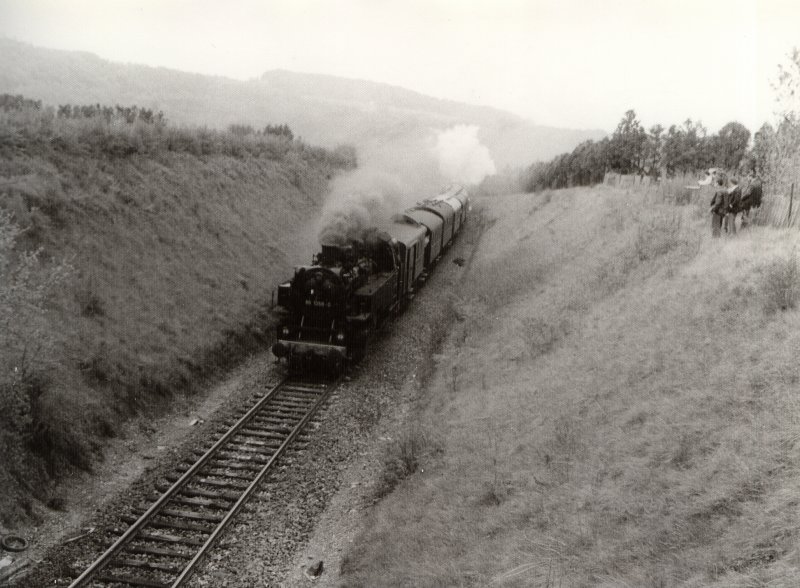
[{"x": 461, "y": 156}]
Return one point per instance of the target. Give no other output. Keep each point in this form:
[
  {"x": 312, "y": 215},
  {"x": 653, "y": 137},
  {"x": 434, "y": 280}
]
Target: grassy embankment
[
  {"x": 617, "y": 406},
  {"x": 172, "y": 239}
]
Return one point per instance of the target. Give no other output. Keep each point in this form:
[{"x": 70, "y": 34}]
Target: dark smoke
[{"x": 394, "y": 177}]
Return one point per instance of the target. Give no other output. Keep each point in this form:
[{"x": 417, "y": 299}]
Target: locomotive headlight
[
  {"x": 340, "y": 337},
  {"x": 285, "y": 331}
]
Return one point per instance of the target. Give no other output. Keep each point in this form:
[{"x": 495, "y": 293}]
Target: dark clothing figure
[
  {"x": 751, "y": 198},
  {"x": 735, "y": 199},
  {"x": 752, "y": 193},
  {"x": 716, "y": 224},
  {"x": 733, "y": 207},
  {"x": 719, "y": 204}
]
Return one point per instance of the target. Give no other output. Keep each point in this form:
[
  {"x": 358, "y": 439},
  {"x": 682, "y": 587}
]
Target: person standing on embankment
[{"x": 719, "y": 204}]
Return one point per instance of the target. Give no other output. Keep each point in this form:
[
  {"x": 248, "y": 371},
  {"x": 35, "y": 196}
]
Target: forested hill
[{"x": 324, "y": 110}]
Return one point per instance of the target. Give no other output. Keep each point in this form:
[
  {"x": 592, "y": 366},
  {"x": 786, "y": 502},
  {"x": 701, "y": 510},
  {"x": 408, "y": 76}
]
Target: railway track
[{"x": 162, "y": 547}]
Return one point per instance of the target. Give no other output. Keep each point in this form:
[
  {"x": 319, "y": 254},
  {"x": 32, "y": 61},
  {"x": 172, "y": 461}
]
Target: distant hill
[{"x": 325, "y": 110}]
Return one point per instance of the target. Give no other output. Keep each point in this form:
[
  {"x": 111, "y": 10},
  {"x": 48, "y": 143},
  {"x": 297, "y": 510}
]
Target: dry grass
[
  {"x": 652, "y": 442},
  {"x": 401, "y": 459},
  {"x": 175, "y": 254},
  {"x": 782, "y": 284}
]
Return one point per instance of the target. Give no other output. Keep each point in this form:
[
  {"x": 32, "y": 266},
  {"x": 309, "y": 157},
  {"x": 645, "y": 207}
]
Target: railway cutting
[{"x": 163, "y": 546}]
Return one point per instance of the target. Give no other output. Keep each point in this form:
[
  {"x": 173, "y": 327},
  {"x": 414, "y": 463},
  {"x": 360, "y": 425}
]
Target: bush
[
  {"x": 401, "y": 459},
  {"x": 25, "y": 286},
  {"x": 124, "y": 132},
  {"x": 26, "y": 346},
  {"x": 781, "y": 284}
]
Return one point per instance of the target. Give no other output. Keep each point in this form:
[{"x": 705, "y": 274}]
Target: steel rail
[
  {"x": 187, "y": 476},
  {"x": 187, "y": 572}
]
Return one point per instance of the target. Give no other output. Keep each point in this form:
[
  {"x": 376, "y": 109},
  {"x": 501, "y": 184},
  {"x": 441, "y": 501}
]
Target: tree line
[
  {"x": 127, "y": 114},
  {"x": 17, "y": 102},
  {"x": 654, "y": 152},
  {"x": 277, "y": 130},
  {"x": 125, "y": 131}
]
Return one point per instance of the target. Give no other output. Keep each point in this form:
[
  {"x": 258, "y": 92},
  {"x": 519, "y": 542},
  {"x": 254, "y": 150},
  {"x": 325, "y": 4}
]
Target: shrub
[
  {"x": 124, "y": 132},
  {"x": 26, "y": 345},
  {"x": 401, "y": 459},
  {"x": 781, "y": 284},
  {"x": 25, "y": 286}
]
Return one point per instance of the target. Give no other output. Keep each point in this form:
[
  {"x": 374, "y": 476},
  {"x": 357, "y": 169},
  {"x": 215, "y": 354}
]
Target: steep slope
[
  {"x": 173, "y": 242},
  {"x": 323, "y": 109},
  {"x": 616, "y": 407}
]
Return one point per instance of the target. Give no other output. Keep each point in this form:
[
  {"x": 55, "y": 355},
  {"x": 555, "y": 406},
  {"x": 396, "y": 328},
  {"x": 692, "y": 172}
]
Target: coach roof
[
  {"x": 440, "y": 207},
  {"x": 427, "y": 218},
  {"x": 405, "y": 231}
]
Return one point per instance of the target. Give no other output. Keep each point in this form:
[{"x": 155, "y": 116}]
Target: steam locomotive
[{"x": 332, "y": 308}]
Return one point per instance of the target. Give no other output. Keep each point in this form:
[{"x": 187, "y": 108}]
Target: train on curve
[{"x": 332, "y": 308}]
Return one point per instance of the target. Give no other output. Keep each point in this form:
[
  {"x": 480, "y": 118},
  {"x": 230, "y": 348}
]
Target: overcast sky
[{"x": 568, "y": 63}]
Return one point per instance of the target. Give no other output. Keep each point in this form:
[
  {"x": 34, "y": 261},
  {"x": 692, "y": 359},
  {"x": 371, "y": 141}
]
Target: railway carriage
[
  {"x": 410, "y": 237},
  {"x": 457, "y": 192},
  {"x": 434, "y": 228},
  {"x": 445, "y": 212},
  {"x": 458, "y": 210}
]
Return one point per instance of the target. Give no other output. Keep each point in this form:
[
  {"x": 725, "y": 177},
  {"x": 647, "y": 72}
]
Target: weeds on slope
[
  {"x": 781, "y": 284},
  {"x": 658, "y": 235},
  {"x": 26, "y": 351},
  {"x": 177, "y": 236},
  {"x": 646, "y": 445},
  {"x": 401, "y": 458}
]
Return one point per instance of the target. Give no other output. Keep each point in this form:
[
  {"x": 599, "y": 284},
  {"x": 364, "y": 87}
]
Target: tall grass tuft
[
  {"x": 660, "y": 235},
  {"x": 401, "y": 459},
  {"x": 781, "y": 285}
]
